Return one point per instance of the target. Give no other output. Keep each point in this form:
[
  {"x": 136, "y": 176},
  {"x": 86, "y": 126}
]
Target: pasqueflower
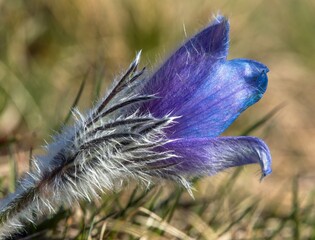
[{"x": 163, "y": 126}]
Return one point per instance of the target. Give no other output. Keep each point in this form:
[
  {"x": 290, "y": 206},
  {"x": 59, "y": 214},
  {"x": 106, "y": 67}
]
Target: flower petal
[
  {"x": 213, "y": 40},
  {"x": 227, "y": 91},
  {"x": 200, "y": 86},
  {"x": 183, "y": 73},
  {"x": 208, "y": 156}
]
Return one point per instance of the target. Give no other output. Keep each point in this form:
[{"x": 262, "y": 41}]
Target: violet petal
[
  {"x": 229, "y": 90},
  {"x": 200, "y": 86},
  {"x": 186, "y": 69},
  {"x": 208, "y": 156}
]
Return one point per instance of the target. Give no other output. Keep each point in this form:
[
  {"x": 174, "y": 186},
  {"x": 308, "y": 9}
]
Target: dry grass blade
[
  {"x": 103, "y": 229},
  {"x": 135, "y": 230},
  {"x": 200, "y": 225},
  {"x": 157, "y": 222}
]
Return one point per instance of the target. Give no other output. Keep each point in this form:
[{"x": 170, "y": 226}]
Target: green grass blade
[
  {"x": 263, "y": 120},
  {"x": 77, "y": 98}
]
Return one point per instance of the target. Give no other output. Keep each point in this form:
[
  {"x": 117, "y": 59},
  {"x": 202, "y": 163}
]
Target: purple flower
[
  {"x": 164, "y": 126},
  {"x": 207, "y": 93}
]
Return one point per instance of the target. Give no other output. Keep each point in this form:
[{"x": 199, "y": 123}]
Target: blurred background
[{"x": 48, "y": 48}]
